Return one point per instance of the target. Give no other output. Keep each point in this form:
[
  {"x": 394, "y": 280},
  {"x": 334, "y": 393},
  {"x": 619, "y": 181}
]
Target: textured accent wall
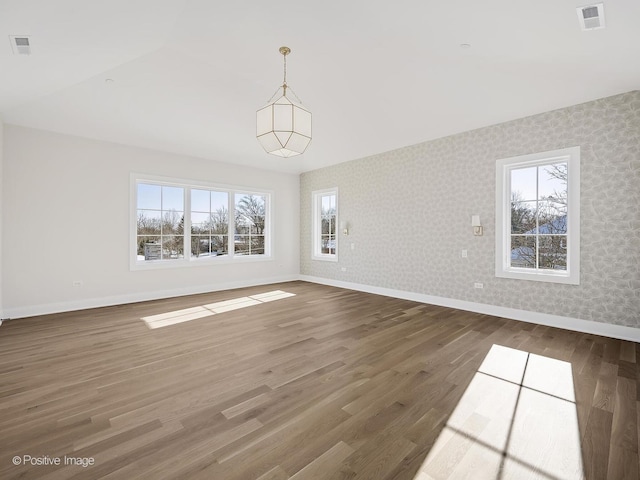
[{"x": 409, "y": 212}]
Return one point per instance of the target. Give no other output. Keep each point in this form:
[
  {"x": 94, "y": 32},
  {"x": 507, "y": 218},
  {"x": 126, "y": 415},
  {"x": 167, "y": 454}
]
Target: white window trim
[
  {"x": 315, "y": 243},
  {"x": 503, "y": 218},
  {"x": 187, "y": 261}
]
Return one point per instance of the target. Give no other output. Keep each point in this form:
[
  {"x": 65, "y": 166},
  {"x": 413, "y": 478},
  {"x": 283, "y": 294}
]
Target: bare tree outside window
[
  {"x": 250, "y": 221},
  {"x": 160, "y": 222},
  {"x": 209, "y": 223},
  {"x": 328, "y": 224},
  {"x": 539, "y": 216},
  {"x": 218, "y": 222},
  {"x": 325, "y": 224}
]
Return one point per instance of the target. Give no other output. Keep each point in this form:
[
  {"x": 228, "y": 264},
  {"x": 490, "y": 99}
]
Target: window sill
[
  {"x": 537, "y": 276},
  {"x": 198, "y": 262},
  {"x": 325, "y": 258}
]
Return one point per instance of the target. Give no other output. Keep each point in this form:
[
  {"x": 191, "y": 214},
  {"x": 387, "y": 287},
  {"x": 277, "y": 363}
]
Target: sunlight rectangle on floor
[
  {"x": 516, "y": 420},
  {"x": 194, "y": 313}
]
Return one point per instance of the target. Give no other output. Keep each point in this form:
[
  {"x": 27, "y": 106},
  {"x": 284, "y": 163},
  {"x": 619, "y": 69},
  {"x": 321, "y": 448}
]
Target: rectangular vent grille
[
  {"x": 591, "y": 16},
  {"x": 20, "y": 44}
]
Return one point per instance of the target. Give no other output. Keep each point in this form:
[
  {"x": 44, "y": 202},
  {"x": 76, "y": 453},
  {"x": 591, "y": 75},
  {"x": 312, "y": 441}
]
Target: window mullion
[
  {"x": 554, "y": 171},
  {"x": 170, "y": 237},
  {"x": 187, "y": 224},
  {"x": 507, "y": 226},
  {"x": 319, "y": 225},
  {"x": 324, "y": 245},
  {"x": 161, "y": 214},
  {"x": 231, "y": 228},
  {"x": 537, "y": 267}
]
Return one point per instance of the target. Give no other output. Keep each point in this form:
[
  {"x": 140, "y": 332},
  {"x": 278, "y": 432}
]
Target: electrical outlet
[
  {"x": 464, "y": 254},
  {"x": 77, "y": 283},
  {"x": 478, "y": 285},
  {"x": 344, "y": 269}
]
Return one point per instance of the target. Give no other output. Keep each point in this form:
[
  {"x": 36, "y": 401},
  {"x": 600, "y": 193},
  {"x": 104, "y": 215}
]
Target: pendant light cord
[
  {"x": 285, "y": 70},
  {"x": 284, "y": 83}
]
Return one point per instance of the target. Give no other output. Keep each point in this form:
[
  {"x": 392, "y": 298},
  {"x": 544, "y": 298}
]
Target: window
[
  {"x": 538, "y": 217},
  {"x": 250, "y": 223},
  {"x": 176, "y": 223},
  {"x": 209, "y": 223},
  {"x": 325, "y": 218},
  {"x": 160, "y": 231}
]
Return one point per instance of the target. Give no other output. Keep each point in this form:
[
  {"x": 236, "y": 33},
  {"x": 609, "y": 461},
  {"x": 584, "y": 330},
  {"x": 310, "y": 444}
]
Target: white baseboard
[
  {"x": 69, "y": 306},
  {"x": 568, "y": 323}
]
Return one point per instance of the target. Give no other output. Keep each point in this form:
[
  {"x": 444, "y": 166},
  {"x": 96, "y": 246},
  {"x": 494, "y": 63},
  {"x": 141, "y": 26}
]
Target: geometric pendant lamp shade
[{"x": 284, "y": 126}]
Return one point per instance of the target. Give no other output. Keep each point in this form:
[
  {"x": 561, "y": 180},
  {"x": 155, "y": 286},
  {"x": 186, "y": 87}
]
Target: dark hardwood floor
[{"x": 326, "y": 384}]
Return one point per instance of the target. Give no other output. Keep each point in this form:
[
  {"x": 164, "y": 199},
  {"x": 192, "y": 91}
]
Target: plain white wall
[
  {"x": 1, "y": 215},
  {"x": 66, "y": 218}
]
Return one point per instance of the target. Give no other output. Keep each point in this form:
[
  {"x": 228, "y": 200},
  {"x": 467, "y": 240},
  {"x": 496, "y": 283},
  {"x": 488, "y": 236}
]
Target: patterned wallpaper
[{"x": 409, "y": 212}]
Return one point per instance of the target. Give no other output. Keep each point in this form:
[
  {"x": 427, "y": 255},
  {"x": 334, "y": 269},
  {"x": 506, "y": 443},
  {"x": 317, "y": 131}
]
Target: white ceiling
[{"x": 189, "y": 75}]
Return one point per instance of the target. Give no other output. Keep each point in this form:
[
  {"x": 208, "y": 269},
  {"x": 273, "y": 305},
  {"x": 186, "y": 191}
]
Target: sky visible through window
[
  {"x": 539, "y": 216},
  {"x": 219, "y": 222},
  {"x": 527, "y": 180},
  {"x": 154, "y": 196}
]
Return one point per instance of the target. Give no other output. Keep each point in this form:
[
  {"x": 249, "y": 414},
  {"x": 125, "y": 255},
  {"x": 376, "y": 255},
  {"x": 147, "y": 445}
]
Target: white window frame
[
  {"x": 316, "y": 202},
  {"x": 503, "y": 216},
  {"x": 188, "y": 261}
]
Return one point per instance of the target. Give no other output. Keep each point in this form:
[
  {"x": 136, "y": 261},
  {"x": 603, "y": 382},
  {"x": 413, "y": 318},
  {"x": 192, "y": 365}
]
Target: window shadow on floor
[{"x": 516, "y": 420}]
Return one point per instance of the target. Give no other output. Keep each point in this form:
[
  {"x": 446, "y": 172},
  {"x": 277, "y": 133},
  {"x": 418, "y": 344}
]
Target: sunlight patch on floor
[
  {"x": 187, "y": 314},
  {"x": 516, "y": 420}
]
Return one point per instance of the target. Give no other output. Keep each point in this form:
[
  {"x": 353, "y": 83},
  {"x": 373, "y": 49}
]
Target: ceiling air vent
[
  {"x": 20, "y": 44},
  {"x": 591, "y": 16}
]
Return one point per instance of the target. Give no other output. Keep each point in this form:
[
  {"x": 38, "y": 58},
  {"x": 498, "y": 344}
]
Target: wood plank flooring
[{"x": 326, "y": 384}]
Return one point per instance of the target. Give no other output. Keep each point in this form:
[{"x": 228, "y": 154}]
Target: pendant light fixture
[{"x": 284, "y": 126}]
